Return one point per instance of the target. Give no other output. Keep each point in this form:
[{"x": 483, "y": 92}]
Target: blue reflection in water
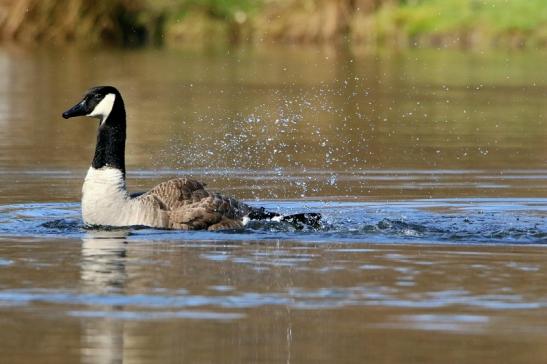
[{"x": 459, "y": 220}]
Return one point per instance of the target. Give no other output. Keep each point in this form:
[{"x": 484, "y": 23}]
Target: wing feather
[{"x": 191, "y": 207}]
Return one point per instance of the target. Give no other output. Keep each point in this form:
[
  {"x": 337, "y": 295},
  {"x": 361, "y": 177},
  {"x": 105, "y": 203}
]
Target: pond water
[{"x": 429, "y": 168}]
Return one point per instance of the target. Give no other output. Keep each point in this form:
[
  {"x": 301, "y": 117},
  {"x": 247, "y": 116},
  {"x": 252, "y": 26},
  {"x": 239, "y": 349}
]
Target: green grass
[{"x": 443, "y": 17}]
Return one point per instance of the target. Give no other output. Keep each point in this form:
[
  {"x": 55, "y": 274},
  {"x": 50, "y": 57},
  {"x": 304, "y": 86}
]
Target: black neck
[{"x": 110, "y": 149}]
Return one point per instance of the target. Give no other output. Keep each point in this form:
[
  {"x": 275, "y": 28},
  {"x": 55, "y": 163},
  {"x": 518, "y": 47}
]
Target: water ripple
[
  {"x": 485, "y": 220},
  {"x": 299, "y": 298}
]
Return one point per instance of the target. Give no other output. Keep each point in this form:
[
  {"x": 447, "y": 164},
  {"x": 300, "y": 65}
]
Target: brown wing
[
  {"x": 191, "y": 207},
  {"x": 177, "y": 192}
]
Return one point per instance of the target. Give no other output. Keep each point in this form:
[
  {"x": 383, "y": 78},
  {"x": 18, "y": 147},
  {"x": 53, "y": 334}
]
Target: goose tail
[{"x": 309, "y": 219}]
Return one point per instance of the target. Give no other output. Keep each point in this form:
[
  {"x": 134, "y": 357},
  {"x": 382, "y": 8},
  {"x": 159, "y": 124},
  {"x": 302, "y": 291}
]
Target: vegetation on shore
[
  {"x": 63, "y": 21},
  {"x": 437, "y": 23},
  {"x": 462, "y": 23}
]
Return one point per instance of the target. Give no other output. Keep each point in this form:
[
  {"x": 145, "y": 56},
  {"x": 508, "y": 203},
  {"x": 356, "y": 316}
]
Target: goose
[{"x": 180, "y": 203}]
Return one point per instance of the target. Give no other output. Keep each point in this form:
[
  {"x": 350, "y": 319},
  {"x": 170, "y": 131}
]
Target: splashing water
[
  {"x": 506, "y": 221},
  {"x": 276, "y": 136}
]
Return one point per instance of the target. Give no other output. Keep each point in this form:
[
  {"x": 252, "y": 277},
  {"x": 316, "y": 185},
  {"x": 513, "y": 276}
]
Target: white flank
[
  {"x": 105, "y": 201},
  {"x": 277, "y": 218},
  {"x": 103, "y": 108},
  {"x": 104, "y": 197},
  {"x": 245, "y": 220}
]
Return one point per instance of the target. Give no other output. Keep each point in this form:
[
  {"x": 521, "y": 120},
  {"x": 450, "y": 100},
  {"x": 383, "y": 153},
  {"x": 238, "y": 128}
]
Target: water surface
[{"x": 429, "y": 168}]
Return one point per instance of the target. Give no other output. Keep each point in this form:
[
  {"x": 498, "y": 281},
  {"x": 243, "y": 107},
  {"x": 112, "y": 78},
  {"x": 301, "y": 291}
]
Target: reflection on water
[
  {"x": 428, "y": 167},
  {"x": 285, "y": 112},
  {"x": 123, "y": 299},
  {"x": 453, "y": 221},
  {"x": 103, "y": 261},
  {"x": 103, "y": 271}
]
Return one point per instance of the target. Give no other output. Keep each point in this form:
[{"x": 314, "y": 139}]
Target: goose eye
[{"x": 97, "y": 97}]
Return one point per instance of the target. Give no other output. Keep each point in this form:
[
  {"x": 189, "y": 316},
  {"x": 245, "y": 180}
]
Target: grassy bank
[
  {"x": 401, "y": 23},
  {"x": 463, "y": 23}
]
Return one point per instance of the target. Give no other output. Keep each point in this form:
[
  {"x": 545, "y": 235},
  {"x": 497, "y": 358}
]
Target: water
[
  {"x": 429, "y": 169},
  {"x": 450, "y": 221}
]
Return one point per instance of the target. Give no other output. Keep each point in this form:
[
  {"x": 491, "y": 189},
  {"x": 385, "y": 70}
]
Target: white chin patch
[{"x": 103, "y": 108}]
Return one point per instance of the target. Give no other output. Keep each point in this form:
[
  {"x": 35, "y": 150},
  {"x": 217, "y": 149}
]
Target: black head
[
  {"x": 98, "y": 102},
  {"x": 106, "y": 104}
]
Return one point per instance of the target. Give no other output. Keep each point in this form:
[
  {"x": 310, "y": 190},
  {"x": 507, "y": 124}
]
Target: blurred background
[{"x": 463, "y": 24}]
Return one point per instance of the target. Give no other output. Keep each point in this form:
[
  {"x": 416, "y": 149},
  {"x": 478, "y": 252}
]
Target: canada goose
[{"x": 180, "y": 203}]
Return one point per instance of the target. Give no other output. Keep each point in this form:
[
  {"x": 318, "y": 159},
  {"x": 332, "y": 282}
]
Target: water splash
[
  {"x": 267, "y": 137},
  {"x": 457, "y": 221}
]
